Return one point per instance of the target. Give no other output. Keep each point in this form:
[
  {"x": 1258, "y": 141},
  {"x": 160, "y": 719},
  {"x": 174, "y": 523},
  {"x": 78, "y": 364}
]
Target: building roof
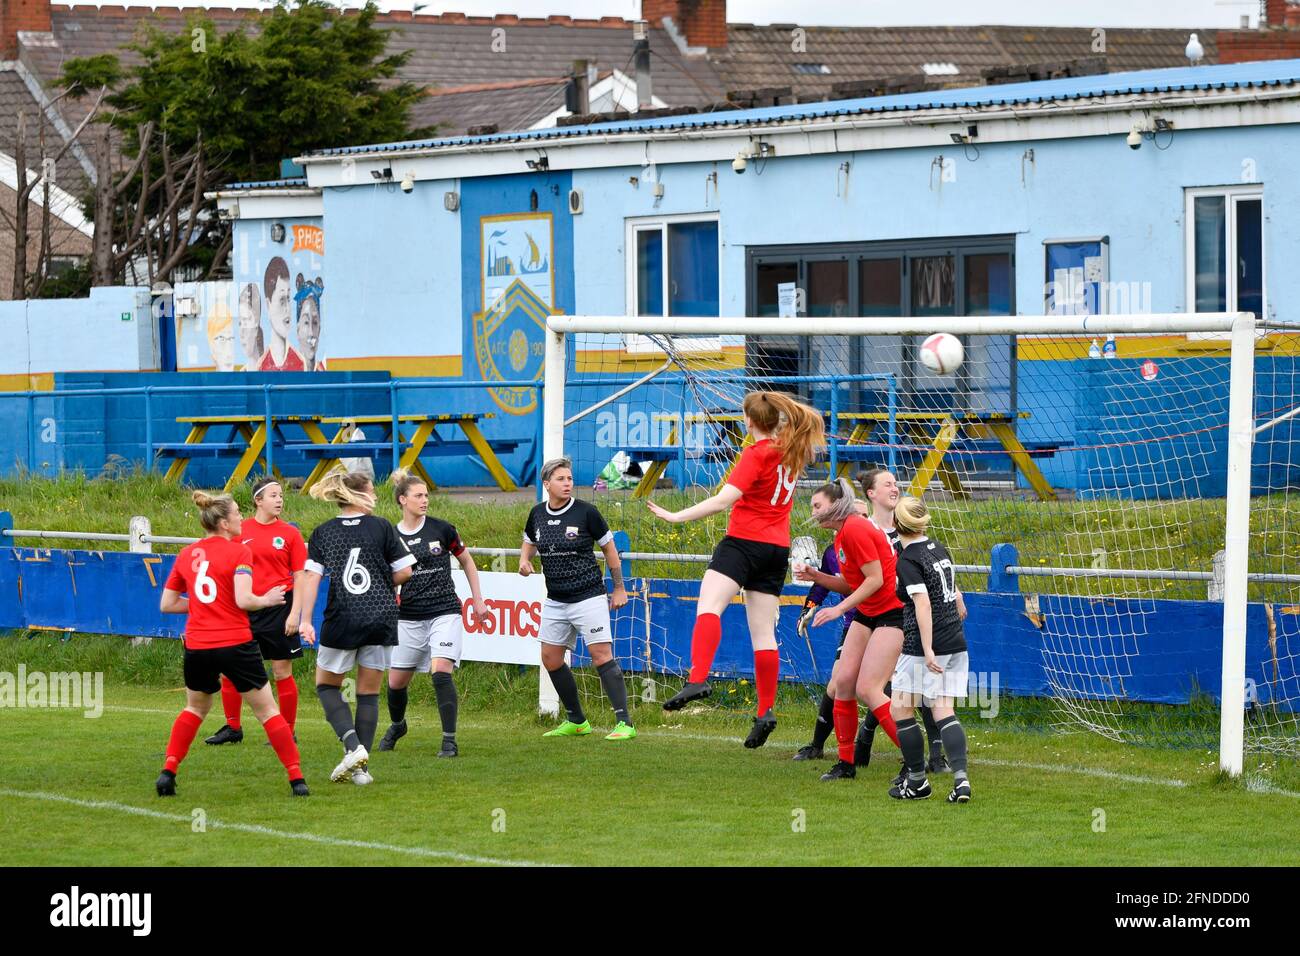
[
  {"x": 447, "y": 50},
  {"x": 769, "y": 56},
  {"x": 15, "y": 97},
  {"x": 514, "y": 104},
  {"x": 1234, "y": 76}
]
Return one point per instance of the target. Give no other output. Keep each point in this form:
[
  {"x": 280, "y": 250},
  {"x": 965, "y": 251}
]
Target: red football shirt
[
  {"x": 278, "y": 551},
  {"x": 206, "y": 572},
  {"x": 767, "y": 494},
  {"x": 292, "y": 362},
  {"x": 860, "y": 542}
]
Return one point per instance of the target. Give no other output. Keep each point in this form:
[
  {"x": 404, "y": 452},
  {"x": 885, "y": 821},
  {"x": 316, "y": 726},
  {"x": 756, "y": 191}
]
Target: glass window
[
  {"x": 649, "y": 272},
  {"x": 693, "y": 268},
  {"x": 988, "y": 284},
  {"x": 1210, "y": 255},
  {"x": 933, "y": 285},
  {"x": 1250, "y": 256},
  {"x": 880, "y": 284}
]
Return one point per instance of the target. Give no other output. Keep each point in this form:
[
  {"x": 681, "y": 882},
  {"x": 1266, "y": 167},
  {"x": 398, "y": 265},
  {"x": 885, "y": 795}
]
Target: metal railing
[
  {"x": 140, "y": 539},
  {"x": 394, "y": 388}
]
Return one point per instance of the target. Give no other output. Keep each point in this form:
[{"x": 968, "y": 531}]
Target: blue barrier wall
[
  {"x": 46, "y": 432},
  {"x": 1157, "y": 651},
  {"x": 111, "y": 329}
]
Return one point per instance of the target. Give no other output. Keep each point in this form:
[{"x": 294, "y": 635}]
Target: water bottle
[
  {"x": 1109, "y": 350},
  {"x": 1095, "y": 350}
]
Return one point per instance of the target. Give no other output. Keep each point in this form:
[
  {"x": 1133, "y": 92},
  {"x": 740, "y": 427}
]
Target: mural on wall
[
  {"x": 267, "y": 320},
  {"x": 516, "y": 257}
]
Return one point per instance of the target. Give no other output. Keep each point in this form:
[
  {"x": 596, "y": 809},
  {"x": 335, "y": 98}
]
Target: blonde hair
[
  {"x": 911, "y": 516},
  {"x": 403, "y": 481},
  {"x": 843, "y": 502},
  {"x": 345, "y": 490},
  {"x": 219, "y": 320},
  {"x": 213, "y": 509},
  {"x": 798, "y": 431}
]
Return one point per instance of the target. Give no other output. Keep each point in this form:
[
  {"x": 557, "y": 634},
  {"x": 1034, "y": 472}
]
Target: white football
[{"x": 942, "y": 353}]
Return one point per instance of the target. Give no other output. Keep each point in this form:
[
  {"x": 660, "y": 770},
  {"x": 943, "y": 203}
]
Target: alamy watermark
[{"x": 76, "y": 690}]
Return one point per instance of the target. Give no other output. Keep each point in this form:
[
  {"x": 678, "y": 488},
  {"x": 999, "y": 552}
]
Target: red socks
[
  {"x": 886, "y": 719},
  {"x": 767, "y": 664},
  {"x": 705, "y": 639},
  {"x": 281, "y": 737},
  {"x": 846, "y": 727},
  {"x": 178, "y": 745},
  {"x": 287, "y": 690},
  {"x": 230, "y": 702}
]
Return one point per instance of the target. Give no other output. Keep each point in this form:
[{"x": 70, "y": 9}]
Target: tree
[
  {"x": 29, "y": 279},
  {"x": 203, "y": 108}
]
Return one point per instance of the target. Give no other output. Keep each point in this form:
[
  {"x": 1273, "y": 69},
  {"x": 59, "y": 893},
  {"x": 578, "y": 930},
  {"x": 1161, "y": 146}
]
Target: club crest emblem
[
  {"x": 277, "y": 542},
  {"x": 435, "y": 547},
  {"x": 571, "y": 532}
]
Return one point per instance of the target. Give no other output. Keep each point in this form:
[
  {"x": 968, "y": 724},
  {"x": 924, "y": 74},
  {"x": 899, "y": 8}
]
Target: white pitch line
[
  {"x": 266, "y": 831},
  {"x": 1252, "y": 786},
  {"x": 1255, "y": 787}
]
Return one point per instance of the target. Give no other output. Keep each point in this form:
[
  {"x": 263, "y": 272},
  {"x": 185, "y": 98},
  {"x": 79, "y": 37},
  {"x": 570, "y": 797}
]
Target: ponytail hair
[
  {"x": 844, "y": 504},
  {"x": 799, "y": 432},
  {"x": 403, "y": 481},
  {"x": 213, "y": 509},
  {"x": 911, "y": 516},
  {"x": 345, "y": 490}
]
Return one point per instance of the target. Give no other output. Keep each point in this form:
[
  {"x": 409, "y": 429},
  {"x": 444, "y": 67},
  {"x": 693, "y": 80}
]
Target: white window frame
[
  {"x": 634, "y": 342},
  {"x": 1234, "y": 195}
]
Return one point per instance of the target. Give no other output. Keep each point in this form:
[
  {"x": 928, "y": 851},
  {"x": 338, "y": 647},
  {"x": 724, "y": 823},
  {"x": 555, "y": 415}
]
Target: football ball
[{"x": 942, "y": 353}]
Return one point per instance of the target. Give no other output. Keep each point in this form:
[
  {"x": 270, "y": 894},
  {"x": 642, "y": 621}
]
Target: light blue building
[{"x": 1161, "y": 191}]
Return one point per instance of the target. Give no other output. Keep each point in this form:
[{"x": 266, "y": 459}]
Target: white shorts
[
  {"x": 911, "y": 676},
  {"x": 338, "y": 661},
  {"x": 562, "y": 623},
  {"x": 418, "y": 642}
]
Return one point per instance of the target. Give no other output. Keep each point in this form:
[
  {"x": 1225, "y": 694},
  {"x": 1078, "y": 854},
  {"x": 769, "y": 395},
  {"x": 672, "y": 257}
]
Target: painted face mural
[
  {"x": 280, "y": 356},
  {"x": 221, "y": 339},
  {"x": 307, "y": 297},
  {"x": 250, "y": 325}
]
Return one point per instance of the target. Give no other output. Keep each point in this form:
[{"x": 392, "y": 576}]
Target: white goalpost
[{"x": 1030, "y": 433}]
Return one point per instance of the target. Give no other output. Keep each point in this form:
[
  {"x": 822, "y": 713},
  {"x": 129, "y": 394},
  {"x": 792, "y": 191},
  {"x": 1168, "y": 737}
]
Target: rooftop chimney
[
  {"x": 18, "y": 16},
  {"x": 1281, "y": 13},
  {"x": 700, "y": 22},
  {"x": 641, "y": 61}
]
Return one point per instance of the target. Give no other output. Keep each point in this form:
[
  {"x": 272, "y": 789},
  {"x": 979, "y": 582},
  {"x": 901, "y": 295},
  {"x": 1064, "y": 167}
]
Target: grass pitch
[{"x": 79, "y": 791}]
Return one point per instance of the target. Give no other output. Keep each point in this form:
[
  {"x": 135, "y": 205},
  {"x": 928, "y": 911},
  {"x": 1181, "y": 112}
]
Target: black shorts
[
  {"x": 892, "y": 618},
  {"x": 754, "y": 565},
  {"x": 844, "y": 632},
  {"x": 268, "y": 631},
  {"x": 241, "y": 663}
]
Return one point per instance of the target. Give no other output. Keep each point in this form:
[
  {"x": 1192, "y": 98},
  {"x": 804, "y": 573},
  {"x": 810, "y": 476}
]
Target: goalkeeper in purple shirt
[{"x": 825, "y": 713}]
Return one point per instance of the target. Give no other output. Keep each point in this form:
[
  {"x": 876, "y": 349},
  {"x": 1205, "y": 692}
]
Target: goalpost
[{"x": 1122, "y": 480}]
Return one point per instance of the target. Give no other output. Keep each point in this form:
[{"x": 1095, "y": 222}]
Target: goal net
[{"x": 1087, "y": 474}]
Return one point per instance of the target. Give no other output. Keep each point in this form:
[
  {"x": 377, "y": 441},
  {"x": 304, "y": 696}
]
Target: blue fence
[{"x": 1168, "y": 651}]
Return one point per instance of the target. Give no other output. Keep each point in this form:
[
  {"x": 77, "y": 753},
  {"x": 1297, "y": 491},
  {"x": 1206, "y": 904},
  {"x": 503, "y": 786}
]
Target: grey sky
[{"x": 1223, "y": 14}]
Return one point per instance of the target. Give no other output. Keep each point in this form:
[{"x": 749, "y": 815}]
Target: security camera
[
  {"x": 1134, "y": 139},
  {"x": 408, "y": 183},
  {"x": 740, "y": 163}
]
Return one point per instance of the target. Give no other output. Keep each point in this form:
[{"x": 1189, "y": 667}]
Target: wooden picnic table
[
  {"x": 935, "y": 431},
  {"x": 423, "y": 440},
  {"x": 246, "y": 438}
]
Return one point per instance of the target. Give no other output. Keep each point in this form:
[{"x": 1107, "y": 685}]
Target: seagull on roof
[{"x": 1194, "y": 52}]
